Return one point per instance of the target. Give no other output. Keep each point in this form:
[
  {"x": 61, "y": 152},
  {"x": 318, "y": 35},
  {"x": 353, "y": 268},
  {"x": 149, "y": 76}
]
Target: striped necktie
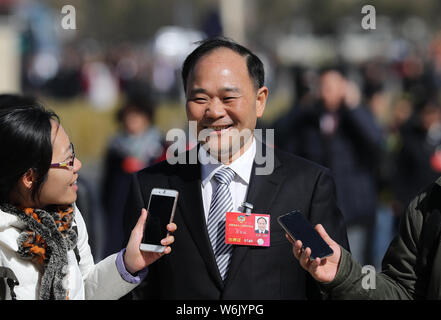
[{"x": 221, "y": 203}]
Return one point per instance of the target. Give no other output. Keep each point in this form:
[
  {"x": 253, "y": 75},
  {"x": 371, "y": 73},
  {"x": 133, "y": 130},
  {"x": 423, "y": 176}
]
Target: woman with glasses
[{"x": 44, "y": 251}]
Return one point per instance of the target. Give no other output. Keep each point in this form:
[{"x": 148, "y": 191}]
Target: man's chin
[
  {"x": 217, "y": 153},
  {"x": 222, "y": 150},
  {"x": 224, "y": 155}
]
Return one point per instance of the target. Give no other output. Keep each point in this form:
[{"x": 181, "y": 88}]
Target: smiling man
[
  {"x": 224, "y": 102},
  {"x": 225, "y": 95}
]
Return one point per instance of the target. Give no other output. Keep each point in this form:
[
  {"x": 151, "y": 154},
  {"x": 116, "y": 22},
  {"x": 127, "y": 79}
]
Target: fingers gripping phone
[
  {"x": 299, "y": 228},
  {"x": 161, "y": 211}
]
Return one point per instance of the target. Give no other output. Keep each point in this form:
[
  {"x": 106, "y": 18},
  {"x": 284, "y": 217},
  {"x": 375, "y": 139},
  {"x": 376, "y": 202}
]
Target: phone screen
[
  {"x": 160, "y": 209},
  {"x": 299, "y": 228}
]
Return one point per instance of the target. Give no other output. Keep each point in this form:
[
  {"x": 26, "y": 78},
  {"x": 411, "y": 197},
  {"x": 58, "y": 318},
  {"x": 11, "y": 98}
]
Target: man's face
[
  {"x": 261, "y": 223},
  {"x": 222, "y": 99}
]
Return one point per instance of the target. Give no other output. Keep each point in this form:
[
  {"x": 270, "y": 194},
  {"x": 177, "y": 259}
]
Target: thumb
[
  {"x": 138, "y": 230},
  {"x": 322, "y": 232}
]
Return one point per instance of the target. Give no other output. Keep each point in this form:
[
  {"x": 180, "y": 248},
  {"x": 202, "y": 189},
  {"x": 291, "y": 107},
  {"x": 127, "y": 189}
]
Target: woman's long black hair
[{"x": 25, "y": 143}]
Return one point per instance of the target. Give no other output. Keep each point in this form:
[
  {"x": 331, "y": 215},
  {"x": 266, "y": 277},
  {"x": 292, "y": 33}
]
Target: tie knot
[{"x": 224, "y": 175}]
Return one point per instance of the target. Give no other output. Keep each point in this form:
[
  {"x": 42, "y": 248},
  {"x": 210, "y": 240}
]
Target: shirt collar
[{"x": 242, "y": 166}]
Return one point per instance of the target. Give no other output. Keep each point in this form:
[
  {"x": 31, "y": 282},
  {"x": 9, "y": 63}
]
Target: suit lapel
[
  {"x": 262, "y": 192},
  {"x": 188, "y": 182}
]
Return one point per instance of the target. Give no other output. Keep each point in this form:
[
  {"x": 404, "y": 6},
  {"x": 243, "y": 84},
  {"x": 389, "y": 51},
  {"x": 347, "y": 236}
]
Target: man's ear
[{"x": 262, "y": 95}]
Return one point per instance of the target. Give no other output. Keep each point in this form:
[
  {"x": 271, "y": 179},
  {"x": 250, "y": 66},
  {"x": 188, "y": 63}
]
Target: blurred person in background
[
  {"x": 341, "y": 134},
  {"x": 376, "y": 100},
  {"x": 137, "y": 145},
  {"x": 305, "y": 83},
  {"x": 418, "y": 160},
  {"x": 390, "y": 113},
  {"x": 68, "y": 81},
  {"x": 400, "y": 111},
  {"x": 433, "y": 67}
]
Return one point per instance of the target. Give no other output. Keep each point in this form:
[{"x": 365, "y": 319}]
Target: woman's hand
[
  {"x": 322, "y": 270},
  {"x": 135, "y": 259}
]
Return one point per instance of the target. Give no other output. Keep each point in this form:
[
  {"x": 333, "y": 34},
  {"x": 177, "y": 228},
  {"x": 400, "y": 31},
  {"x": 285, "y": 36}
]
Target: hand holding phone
[
  {"x": 299, "y": 228},
  {"x": 136, "y": 260},
  {"x": 322, "y": 270},
  {"x": 161, "y": 210}
]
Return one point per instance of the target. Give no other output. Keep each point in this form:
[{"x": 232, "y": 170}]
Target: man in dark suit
[{"x": 225, "y": 92}]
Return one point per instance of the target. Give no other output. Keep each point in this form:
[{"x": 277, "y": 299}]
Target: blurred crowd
[
  {"x": 383, "y": 145},
  {"x": 375, "y": 124}
]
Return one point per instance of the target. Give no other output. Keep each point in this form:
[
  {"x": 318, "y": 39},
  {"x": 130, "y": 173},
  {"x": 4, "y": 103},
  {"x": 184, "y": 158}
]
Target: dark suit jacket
[{"x": 190, "y": 271}]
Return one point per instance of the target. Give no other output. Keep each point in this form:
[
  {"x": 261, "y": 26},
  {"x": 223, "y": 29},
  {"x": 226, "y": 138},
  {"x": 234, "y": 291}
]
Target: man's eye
[{"x": 229, "y": 98}]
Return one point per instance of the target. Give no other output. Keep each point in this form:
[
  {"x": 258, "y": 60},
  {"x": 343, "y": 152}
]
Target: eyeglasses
[{"x": 69, "y": 164}]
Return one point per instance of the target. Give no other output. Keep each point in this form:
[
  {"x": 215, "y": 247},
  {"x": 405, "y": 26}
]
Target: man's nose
[{"x": 215, "y": 109}]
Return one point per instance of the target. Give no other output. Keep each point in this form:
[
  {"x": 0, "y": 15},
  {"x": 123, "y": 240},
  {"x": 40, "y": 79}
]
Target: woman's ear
[
  {"x": 28, "y": 179},
  {"x": 21, "y": 194}
]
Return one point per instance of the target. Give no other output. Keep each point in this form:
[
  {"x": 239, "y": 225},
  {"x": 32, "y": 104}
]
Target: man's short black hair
[
  {"x": 266, "y": 222},
  {"x": 254, "y": 64}
]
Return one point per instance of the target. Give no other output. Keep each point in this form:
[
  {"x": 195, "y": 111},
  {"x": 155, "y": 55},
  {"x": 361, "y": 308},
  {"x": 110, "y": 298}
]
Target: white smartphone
[{"x": 161, "y": 211}]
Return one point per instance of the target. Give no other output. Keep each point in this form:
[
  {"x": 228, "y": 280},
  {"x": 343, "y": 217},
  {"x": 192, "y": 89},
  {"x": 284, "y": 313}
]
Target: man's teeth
[{"x": 219, "y": 128}]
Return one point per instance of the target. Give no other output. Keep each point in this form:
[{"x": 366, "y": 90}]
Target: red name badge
[{"x": 247, "y": 229}]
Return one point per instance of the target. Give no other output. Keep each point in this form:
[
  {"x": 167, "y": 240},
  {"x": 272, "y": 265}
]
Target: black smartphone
[
  {"x": 299, "y": 228},
  {"x": 161, "y": 210}
]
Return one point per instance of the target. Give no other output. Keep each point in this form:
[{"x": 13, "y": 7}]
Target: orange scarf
[
  {"x": 35, "y": 244},
  {"x": 46, "y": 241}
]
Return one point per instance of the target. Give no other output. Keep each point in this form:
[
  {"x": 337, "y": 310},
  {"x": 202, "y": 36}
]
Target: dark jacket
[{"x": 412, "y": 264}]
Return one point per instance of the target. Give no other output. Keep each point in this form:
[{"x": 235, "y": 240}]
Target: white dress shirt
[{"x": 238, "y": 187}]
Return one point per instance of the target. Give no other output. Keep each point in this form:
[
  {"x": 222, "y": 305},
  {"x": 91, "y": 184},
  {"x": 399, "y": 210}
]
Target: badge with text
[{"x": 247, "y": 229}]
